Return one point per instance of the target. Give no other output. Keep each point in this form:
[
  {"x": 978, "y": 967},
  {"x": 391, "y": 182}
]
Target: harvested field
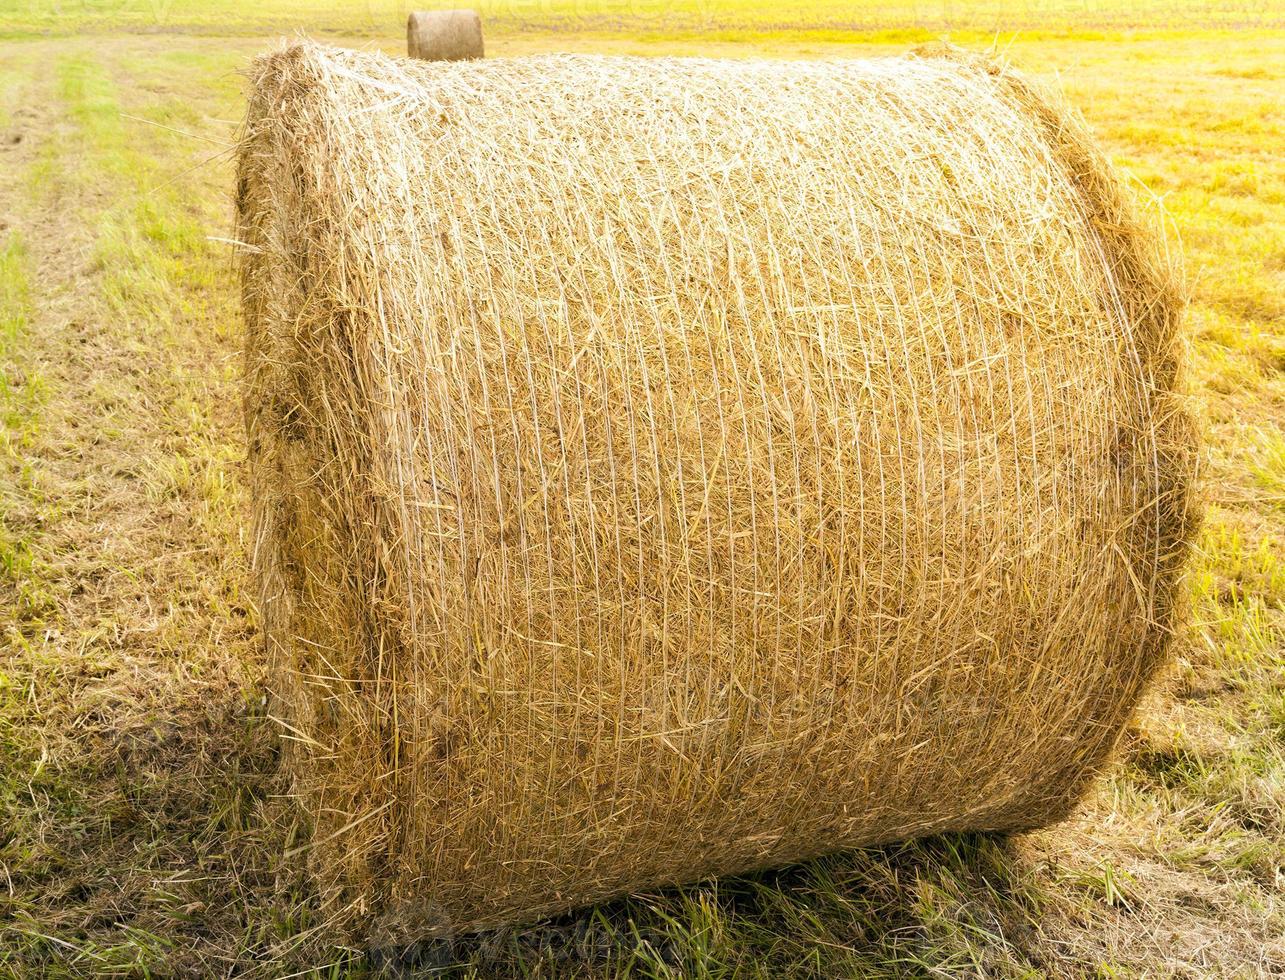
[{"x": 142, "y": 824}]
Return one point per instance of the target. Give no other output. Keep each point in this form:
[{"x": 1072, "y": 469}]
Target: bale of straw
[
  {"x": 444, "y": 35},
  {"x": 666, "y": 468}
]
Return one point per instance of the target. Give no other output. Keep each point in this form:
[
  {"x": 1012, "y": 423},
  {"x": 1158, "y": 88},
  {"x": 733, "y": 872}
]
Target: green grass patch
[{"x": 22, "y": 391}]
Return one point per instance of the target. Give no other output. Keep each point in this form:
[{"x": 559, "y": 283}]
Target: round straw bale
[
  {"x": 444, "y": 35},
  {"x": 666, "y": 468}
]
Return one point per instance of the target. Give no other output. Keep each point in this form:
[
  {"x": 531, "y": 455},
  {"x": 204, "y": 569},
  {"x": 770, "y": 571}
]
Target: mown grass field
[
  {"x": 142, "y": 816},
  {"x": 653, "y": 20}
]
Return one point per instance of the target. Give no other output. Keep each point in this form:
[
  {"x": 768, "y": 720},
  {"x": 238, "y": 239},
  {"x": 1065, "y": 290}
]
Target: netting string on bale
[
  {"x": 444, "y": 35},
  {"x": 665, "y": 468}
]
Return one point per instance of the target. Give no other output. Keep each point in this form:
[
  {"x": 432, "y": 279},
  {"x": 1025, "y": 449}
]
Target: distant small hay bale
[
  {"x": 444, "y": 35},
  {"x": 667, "y": 468}
]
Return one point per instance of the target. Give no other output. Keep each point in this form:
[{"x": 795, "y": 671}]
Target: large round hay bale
[
  {"x": 444, "y": 35},
  {"x": 664, "y": 468}
]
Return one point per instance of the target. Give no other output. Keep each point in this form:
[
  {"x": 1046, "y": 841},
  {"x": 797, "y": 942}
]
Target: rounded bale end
[{"x": 444, "y": 35}]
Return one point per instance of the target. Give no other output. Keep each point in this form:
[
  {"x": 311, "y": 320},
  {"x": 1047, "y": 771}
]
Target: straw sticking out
[{"x": 668, "y": 468}]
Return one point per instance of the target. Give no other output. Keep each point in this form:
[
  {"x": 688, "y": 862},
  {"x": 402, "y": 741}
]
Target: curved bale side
[
  {"x": 1160, "y": 452},
  {"x": 444, "y": 35},
  {"x": 666, "y": 468}
]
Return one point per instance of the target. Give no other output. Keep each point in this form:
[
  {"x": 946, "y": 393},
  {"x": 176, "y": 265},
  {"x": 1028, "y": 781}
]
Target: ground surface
[{"x": 141, "y": 816}]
